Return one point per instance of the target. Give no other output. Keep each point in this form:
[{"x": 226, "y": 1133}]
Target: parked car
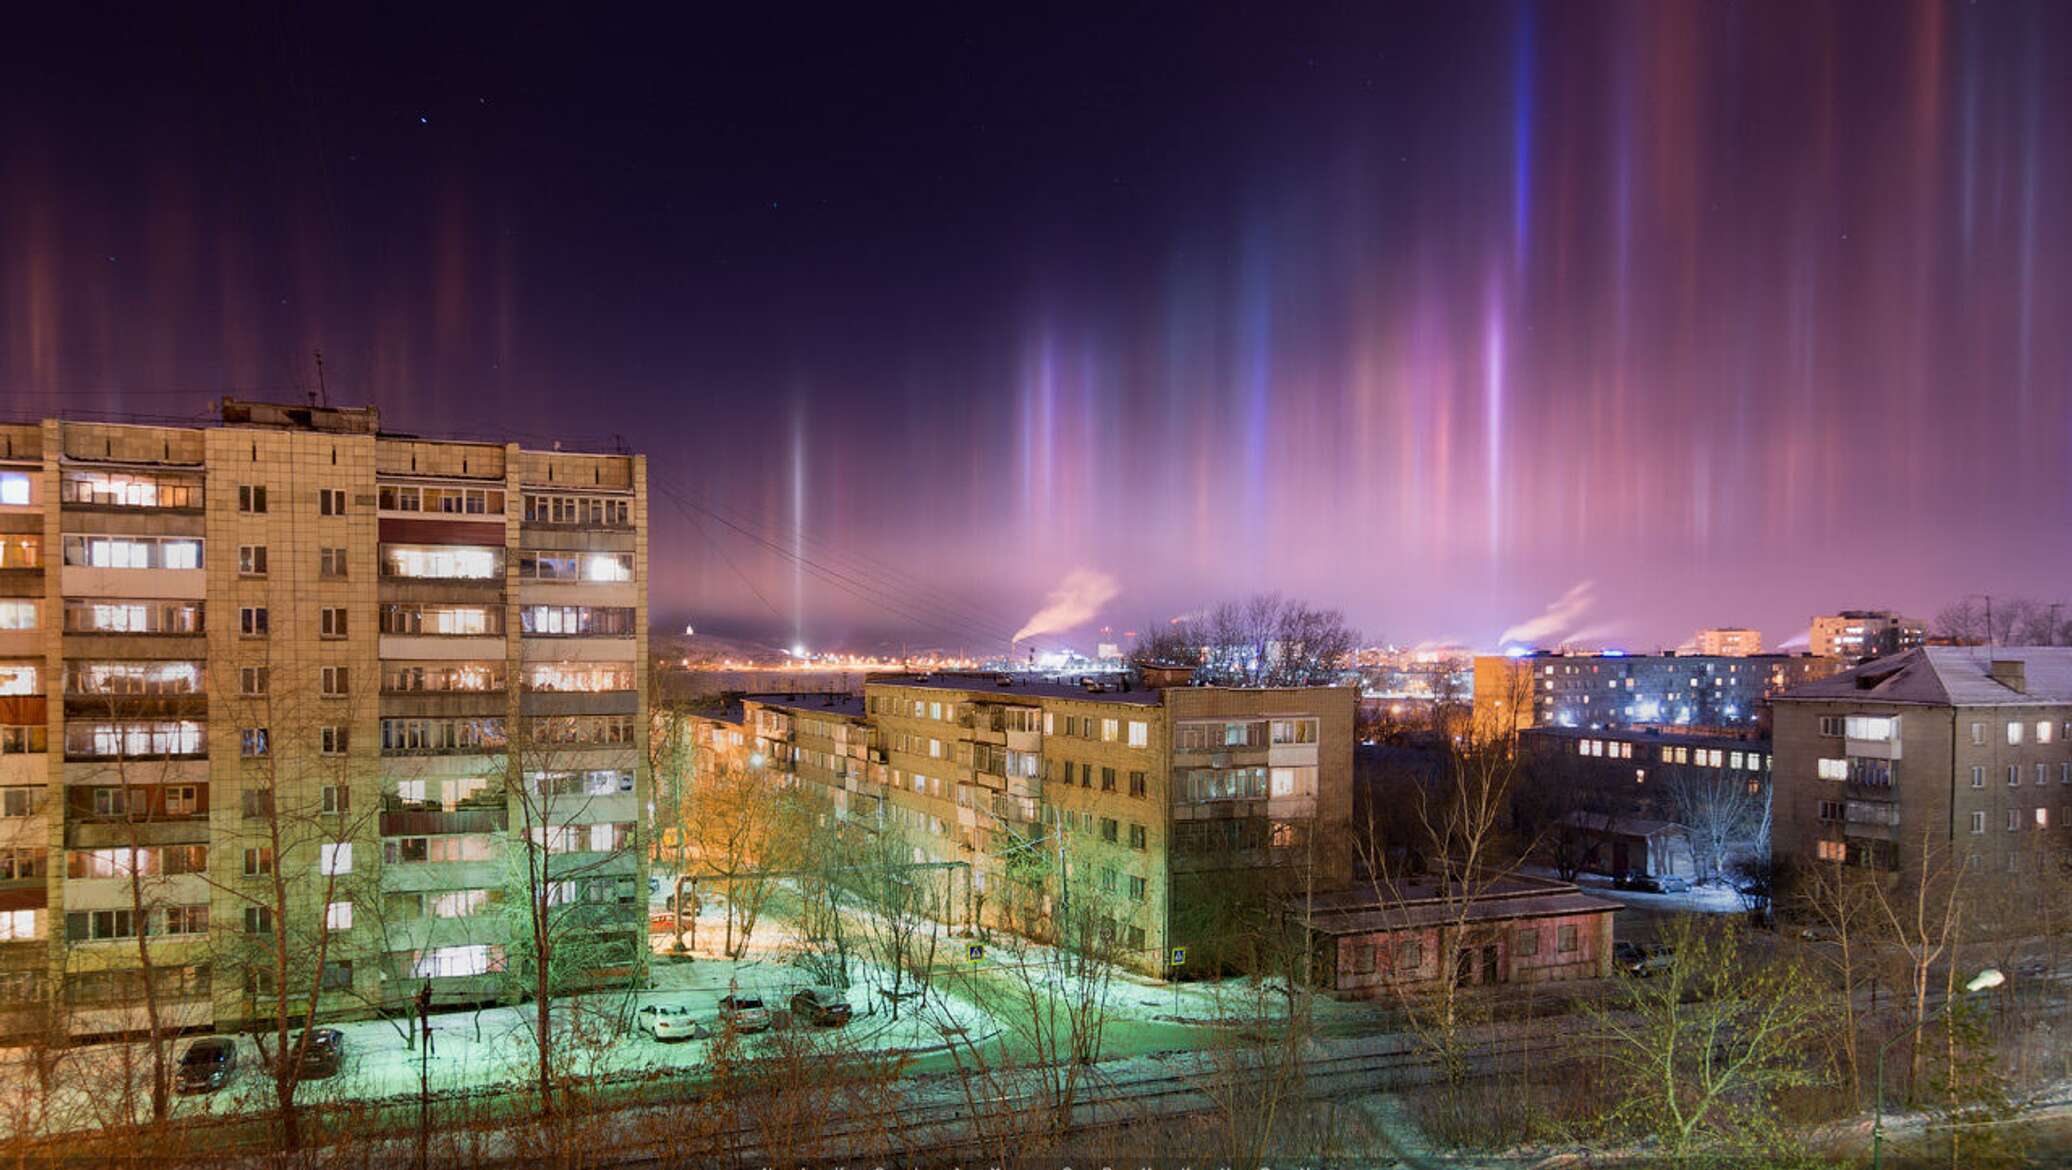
[
  {"x": 323, "y": 1055},
  {"x": 823, "y": 1007},
  {"x": 1648, "y": 883},
  {"x": 1641, "y": 961},
  {"x": 207, "y": 1065},
  {"x": 743, "y": 1013},
  {"x": 1669, "y": 883},
  {"x": 667, "y": 1021}
]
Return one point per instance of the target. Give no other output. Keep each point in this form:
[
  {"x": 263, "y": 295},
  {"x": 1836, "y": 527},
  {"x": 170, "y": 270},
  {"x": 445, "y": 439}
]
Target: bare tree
[
  {"x": 298, "y": 830},
  {"x": 133, "y": 812},
  {"x": 743, "y": 832},
  {"x": 1720, "y": 808},
  {"x": 573, "y": 914},
  {"x": 1263, "y": 641},
  {"x": 1924, "y": 913},
  {"x": 1843, "y": 908},
  {"x": 1463, "y": 849},
  {"x": 2005, "y": 620},
  {"x": 903, "y": 907}
]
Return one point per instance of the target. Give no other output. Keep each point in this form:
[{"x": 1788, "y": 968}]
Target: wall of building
[
  {"x": 319, "y": 711},
  {"x": 1934, "y": 793},
  {"x": 1365, "y": 966}
]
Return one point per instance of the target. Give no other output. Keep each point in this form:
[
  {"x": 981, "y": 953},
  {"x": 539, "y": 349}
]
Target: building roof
[
  {"x": 1951, "y": 676},
  {"x": 1620, "y": 826},
  {"x": 724, "y": 711},
  {"x": 1409, "y": 915},
  {"x": 1009, "y": 686},
  {"x": 811, "y": 703}
]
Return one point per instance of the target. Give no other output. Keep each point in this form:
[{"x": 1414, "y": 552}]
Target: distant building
[
  {"x": 1643, "y": 845},
  {"x": 1730, "y": 642},
  {"x": 1942, "y": 750},
  {"x": 1161, "y": 798},
  {"x": 1595, "y": 691},
  {"x": 1856, "y": 634},
  {"x": 1636, "y": 755}
]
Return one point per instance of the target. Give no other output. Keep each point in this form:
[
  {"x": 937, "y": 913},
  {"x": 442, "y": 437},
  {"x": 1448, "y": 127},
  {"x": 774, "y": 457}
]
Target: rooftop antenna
[{"x": 323, "y": 395}]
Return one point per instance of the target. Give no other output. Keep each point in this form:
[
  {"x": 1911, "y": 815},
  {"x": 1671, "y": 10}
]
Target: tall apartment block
[
  {"x": 1944, "y": 755},
  {"x": 1729, "y": 641},
  {"x": 1160, "y": 801},
  {"x": 289, "y": 683},
  {"x": 1856, "y": 634},
  {"x": 1608, "y": 690}
]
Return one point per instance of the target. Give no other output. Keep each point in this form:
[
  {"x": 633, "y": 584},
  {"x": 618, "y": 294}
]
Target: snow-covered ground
[
  {"x": 492, "y": 1048},
  {"x": 1715, "y": 897}
]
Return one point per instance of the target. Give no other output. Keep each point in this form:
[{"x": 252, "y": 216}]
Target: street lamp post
[{"x": 1985, "y": 980}]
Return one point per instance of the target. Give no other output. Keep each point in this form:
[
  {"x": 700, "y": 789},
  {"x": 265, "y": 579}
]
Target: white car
[{"x": 667, "y": 1021}]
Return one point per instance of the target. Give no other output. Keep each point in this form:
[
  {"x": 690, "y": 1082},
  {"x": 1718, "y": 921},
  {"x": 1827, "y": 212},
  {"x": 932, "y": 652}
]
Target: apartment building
[
  {"x": 1158, "y": 802},
  {"x": 291, "y": 684},
  {"x": 1941, "y": 754},
  {"x": 1613, "y": 690},
  {"x": 1856, "y": 634},
  {"x": 1728, "y": 642}
]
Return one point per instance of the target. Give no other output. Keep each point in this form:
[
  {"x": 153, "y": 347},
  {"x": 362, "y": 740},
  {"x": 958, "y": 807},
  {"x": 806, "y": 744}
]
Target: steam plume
[
  {"x": 1074, "y": 602},
  {"x": 1557, "y": 619}
]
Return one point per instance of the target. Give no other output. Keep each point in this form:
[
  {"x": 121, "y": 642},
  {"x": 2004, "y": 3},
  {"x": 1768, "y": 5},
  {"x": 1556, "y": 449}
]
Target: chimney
[{"x": 2011, "y": 673}]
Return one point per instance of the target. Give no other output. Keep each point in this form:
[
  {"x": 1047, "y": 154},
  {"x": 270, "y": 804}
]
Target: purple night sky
[{"x": 1693, "y": 313}]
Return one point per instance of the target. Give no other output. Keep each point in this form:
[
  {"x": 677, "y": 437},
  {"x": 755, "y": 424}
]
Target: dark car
[
  {"x": 1640, "y": 961},
  {"x": 323, "y": 1055},
  {"x": 207, "y": 1065},
  {"x": 1635, "y": 880},
  {"x": 823, "y": 1007}
]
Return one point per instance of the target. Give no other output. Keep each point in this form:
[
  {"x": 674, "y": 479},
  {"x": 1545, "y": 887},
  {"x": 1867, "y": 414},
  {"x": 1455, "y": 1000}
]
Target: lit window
[
  {"x": 338, "y": 916},
  {"x": 1831, "y": 851},
  {"x": 2044, "y": 728},
  {"x": 452, "y": 962},
  {"x": 2014, "y": 732},
  {"x": 334, "y": 859},
  {"x": 14, "y": 488},
  {"x": 1876, "y": 728},
  {"x": 1834, "y": 769}
]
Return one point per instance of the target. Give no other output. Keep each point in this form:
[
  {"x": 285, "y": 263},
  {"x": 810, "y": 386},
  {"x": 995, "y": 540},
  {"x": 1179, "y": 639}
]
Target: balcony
[
  {"x": 1018, "y": 811},
  {"x": 119, "y": 832},
  {"x": 399, "y": 820}
]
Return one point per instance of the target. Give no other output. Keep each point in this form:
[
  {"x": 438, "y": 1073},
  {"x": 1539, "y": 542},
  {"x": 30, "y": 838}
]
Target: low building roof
[
  {"x": 1950, "y": 676},
  {"x": 1412, "y": 915},
  {"x": 1006, "y": 687},
  {"x": 808, "y": 703},
  {"x": 1622, "y": 826}
]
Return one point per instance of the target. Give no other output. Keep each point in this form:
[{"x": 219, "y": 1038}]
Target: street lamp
[{"x": 1985, "y": 980}]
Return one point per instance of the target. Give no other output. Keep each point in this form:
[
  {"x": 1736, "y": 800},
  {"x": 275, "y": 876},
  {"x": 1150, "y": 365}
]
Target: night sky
[{"x": 1690, "y": 314}]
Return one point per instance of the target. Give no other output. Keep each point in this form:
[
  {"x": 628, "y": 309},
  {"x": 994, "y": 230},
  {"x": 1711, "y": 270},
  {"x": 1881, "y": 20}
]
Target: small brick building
[{"x": 1372, "y": 941}]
